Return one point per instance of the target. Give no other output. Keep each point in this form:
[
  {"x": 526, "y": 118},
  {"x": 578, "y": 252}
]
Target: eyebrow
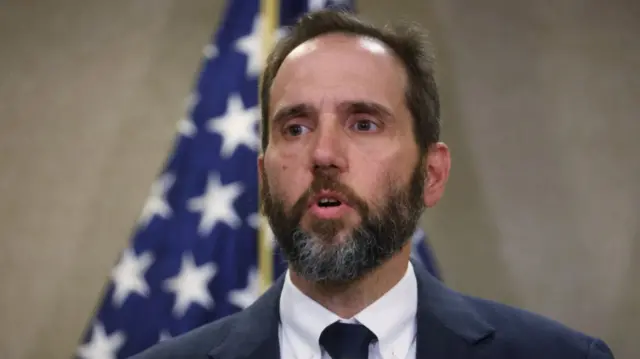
[
  {"x": 366, "y": 107},
  {"x": 291, "y": 111}
]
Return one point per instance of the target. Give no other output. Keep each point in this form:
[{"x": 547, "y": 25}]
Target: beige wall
[{"x": 542, "y": 209}]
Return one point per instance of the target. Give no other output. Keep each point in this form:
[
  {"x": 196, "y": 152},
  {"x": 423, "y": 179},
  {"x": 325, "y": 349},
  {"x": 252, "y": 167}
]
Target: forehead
[{"x": 339, "y": 67}]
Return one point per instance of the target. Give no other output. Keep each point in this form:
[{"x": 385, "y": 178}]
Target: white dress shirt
[{"x": 392, "y": 318}]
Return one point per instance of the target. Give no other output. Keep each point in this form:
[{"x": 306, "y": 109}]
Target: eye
[
  {"x": 365, "y": 125},
  {"x": 295, "y": 130}
]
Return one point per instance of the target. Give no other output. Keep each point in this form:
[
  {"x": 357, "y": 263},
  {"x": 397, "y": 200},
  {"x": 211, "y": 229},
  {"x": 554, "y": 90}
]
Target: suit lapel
[
  {"x": 254, "y": 334},
  {"x": 447, "y": 326}
]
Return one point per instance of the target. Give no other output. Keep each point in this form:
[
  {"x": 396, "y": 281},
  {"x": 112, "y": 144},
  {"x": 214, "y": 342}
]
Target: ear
[{"x": 438, "y": 164}]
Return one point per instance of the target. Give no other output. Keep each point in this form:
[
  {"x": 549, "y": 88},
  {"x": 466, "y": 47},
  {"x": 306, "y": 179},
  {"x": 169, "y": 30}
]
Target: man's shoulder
[
  {"x": 523, "y": 331},
  {"x": 195, "y": 344},
  {"x": 228, "y": 333}
]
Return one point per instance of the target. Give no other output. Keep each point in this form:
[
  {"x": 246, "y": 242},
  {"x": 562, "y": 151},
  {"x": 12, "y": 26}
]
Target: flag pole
[{"x": 269, "y": 13}]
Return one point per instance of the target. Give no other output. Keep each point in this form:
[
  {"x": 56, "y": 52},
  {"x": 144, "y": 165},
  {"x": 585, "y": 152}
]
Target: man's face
[{"x": 342, "y": 181}]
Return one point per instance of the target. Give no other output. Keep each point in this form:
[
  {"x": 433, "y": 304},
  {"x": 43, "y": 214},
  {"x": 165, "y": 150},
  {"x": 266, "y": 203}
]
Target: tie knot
[{"x": 347, "y": 341}]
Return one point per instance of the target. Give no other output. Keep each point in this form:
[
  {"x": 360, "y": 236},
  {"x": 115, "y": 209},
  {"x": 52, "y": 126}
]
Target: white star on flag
[
  {"x": 238, "y": 126},
  {"x": 128, "y": 276},
  {"x": 185, "y": 125},
  {"x": 242, "y": 298},
  {"x": 216, "y": 204},
  {"x": 156, "y": 204},
  {"x": 164, "y": 335},
  {"x": 281, "y": 32},
  {"x": 319, "y": 4},
  {"x": 101, "y": 345},
  {"x": 190, "y": 285},
  {"x": 251, "y": 45},
  {"x": 210, "y": 51}
]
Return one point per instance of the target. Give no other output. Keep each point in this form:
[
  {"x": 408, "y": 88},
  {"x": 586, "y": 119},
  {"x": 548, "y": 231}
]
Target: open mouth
[
  {"x": 328, "y": 202},
  {"x": 329, "y": 206}
]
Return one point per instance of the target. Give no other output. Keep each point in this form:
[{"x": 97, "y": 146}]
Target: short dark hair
[{"x": 408, "y": 42}]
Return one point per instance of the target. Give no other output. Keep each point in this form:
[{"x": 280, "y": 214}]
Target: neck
[{"x": 347, "y": 300}]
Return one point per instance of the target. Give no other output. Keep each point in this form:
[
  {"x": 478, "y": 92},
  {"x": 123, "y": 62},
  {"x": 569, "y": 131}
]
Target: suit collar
[
  {"x": 254, "y": 331},
  {"x": 444, "y": 318}
]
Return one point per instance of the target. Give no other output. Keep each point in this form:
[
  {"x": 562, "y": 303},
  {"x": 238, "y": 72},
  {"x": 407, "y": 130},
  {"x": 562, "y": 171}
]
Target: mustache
[{"x": 327, "y": 182}]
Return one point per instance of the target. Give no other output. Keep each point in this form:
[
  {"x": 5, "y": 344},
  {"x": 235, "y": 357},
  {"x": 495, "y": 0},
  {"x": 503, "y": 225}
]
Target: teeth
[{"x": 328, "y": 201}]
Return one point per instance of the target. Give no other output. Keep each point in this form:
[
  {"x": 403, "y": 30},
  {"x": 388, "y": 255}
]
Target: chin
[
  {"x": 341, "y": 237},
  {"x": 329, "y": 230}
]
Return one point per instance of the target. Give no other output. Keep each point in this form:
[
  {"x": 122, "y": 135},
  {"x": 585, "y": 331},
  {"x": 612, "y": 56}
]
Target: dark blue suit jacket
[{"x": 450, "y": 326}]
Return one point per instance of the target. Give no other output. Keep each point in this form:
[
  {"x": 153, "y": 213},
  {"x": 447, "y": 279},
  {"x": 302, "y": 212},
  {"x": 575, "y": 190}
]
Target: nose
[{"x": 328, "y": 149}]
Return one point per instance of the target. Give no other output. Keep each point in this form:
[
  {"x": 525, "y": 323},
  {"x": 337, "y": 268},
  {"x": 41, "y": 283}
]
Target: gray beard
[{"x": 334, "y": 263}]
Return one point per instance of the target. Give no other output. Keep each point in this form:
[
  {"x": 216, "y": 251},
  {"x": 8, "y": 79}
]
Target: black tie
[{"x": 347, "y": 341}]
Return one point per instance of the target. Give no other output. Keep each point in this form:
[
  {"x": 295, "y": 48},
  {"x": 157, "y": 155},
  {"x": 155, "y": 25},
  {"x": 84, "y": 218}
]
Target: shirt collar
[
  {"x": 304, "y": 318},
  {"x": 393, "y": 314},
  {"x": 388, "y": 317}
]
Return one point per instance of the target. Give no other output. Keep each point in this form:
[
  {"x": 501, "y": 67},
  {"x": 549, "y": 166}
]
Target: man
[{"x": 352, "y": 157}]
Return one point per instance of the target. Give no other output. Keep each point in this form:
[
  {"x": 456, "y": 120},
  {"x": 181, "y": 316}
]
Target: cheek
[
  {"x": 286, "y": 181},
  {"x": 377, "y": 176},
  {"x": 371, "y": 183},
  {"x": 378, "y": 152},
  {"x": 375, "y": 163}
]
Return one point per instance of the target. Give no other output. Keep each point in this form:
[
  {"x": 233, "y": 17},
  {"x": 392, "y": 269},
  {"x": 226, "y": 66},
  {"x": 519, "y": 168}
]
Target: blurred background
[{"x": 541, "y": 112}]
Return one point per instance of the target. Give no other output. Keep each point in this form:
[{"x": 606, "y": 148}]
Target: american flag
[{"x": 193, "y": 257}]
